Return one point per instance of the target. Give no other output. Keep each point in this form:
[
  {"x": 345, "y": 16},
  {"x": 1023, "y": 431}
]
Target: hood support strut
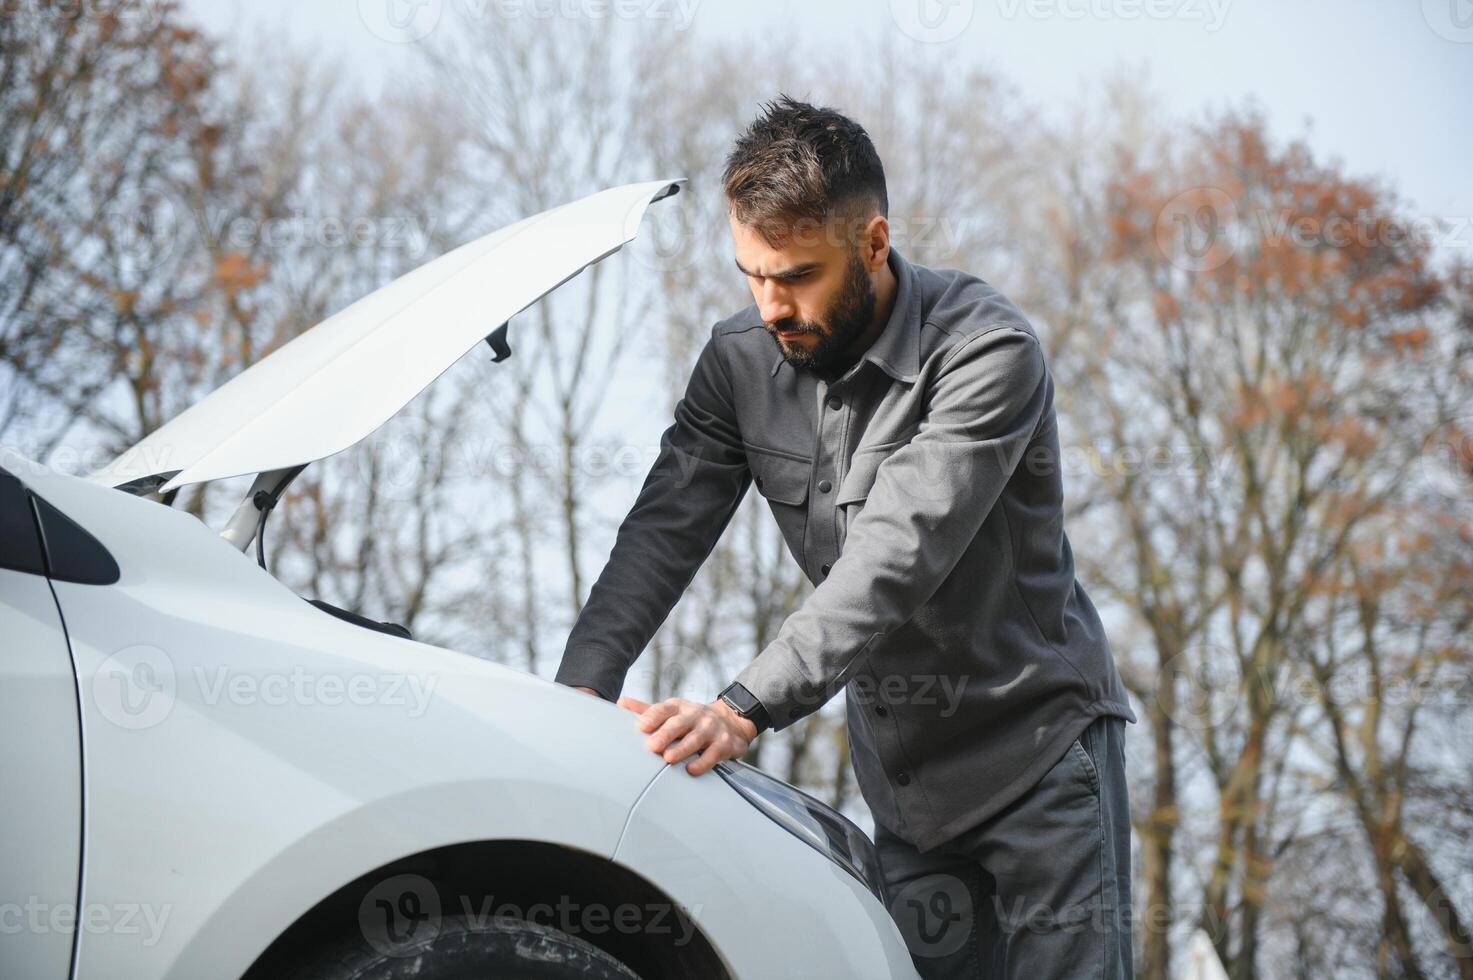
[{"x": 248, "y": 518}]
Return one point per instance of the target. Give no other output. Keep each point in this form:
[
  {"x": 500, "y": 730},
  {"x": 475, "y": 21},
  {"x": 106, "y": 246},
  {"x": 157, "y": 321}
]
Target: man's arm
[
  {"x": 928, "y": 501},
  {"x": 689, "y": 496}
]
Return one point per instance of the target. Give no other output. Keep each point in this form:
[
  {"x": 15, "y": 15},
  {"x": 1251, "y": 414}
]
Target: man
[{"x": 900, "y": 422}]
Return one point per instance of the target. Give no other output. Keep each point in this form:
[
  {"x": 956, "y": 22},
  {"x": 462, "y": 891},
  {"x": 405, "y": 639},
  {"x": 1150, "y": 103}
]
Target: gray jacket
[{"x": 921, "y": 493}]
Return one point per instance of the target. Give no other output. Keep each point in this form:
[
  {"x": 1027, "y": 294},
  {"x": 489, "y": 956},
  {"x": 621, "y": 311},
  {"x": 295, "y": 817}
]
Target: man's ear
[{"x": 874, "y": 242}]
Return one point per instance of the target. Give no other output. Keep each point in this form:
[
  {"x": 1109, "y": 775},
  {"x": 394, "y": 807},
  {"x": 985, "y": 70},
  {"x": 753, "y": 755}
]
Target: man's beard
[{"x": 851, "y": 313}]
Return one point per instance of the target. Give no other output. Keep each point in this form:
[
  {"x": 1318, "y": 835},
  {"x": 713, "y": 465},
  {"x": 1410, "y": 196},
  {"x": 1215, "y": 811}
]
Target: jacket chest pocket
[
  {"x": 783, "y": 480},
  {"x": 863, "y": 466},
  {"x": 855, "y": 487}
]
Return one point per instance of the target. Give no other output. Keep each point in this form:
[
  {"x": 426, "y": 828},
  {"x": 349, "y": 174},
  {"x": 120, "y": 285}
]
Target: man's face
[{"x": 812, "y": 290}]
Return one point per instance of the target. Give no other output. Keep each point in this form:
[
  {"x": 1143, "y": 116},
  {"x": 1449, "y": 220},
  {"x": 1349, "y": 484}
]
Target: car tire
[{"x": 491, "y": 948}]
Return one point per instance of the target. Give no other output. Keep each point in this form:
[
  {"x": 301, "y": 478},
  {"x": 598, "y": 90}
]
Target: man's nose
[{"x": 775, "y": 304}]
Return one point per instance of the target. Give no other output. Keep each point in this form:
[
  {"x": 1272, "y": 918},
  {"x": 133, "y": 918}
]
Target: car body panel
[
  {"x": 350, "y": 373},
  {"x": 233, "y": 779},
  {"x": 753, "y": 888},
  {"x": 40, "y": 759}
]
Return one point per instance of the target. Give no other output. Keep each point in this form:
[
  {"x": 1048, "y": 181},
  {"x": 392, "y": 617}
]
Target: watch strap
[{"x": 745, "y": 703}]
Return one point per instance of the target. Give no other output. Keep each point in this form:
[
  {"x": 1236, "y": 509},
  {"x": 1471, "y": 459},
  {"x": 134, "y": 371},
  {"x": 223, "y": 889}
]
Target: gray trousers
[{"x": 1041, "y": 890}]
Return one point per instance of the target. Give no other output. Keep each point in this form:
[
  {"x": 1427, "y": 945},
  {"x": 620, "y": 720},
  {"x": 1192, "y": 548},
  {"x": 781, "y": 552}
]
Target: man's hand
[{"x": 679, "y": 728}]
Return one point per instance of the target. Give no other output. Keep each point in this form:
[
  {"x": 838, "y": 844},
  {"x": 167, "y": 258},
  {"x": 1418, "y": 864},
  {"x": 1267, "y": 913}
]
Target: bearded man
[{"x": 900, "y": 422}]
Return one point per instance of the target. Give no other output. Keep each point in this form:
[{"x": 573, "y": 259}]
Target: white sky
[{"x": 1383, "y": 85}]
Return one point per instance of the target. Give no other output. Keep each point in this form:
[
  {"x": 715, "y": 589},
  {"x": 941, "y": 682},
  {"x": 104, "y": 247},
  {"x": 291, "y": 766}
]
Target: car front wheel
[{"x": 459, "y": 949}]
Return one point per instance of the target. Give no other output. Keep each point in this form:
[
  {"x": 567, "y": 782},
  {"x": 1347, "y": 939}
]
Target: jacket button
[
  {"x": 824, "y": 486},
  {"x": 759, "y": 483},
  {"x": 903, "y": 778},
  {"x": 882, "y": 711},
  {"x": 835, "y": 402},
  {"x": 824, "y": 568}
]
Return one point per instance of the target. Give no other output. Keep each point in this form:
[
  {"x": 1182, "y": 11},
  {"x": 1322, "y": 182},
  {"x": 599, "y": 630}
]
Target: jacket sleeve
[
  {"x": 695, "y": 485},
  {"x": 927, "y": 503}
]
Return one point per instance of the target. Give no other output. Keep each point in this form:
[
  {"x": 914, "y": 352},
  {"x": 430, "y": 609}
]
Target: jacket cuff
[
  {"x": 595, "y": 667},
  {"x": 785, "y": 698}
]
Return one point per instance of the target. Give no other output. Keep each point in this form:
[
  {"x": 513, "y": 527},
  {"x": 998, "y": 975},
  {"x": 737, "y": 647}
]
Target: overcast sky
[{"x": 1384, "y": 85}]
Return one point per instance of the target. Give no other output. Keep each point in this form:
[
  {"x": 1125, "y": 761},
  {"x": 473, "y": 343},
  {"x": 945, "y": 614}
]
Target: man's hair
[{"x": 798, "y": 164}]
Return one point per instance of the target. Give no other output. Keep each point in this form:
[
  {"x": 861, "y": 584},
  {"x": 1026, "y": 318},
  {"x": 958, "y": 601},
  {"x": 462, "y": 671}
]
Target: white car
[{"x": 205, "y": 775}]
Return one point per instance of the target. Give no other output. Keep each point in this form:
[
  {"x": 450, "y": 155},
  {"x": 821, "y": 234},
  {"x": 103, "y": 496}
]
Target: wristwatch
[{"x": 745, "y": 703}]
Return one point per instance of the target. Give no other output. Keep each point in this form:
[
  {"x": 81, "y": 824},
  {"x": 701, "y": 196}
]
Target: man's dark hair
[{"x": 800, "y": 164}]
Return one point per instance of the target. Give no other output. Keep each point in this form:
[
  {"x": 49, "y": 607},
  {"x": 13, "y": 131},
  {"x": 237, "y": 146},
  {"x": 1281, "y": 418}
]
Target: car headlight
[{"x": 819, "y": 825}]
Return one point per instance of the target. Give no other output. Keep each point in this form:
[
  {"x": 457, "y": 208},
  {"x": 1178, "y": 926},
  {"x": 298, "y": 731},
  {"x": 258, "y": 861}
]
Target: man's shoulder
[{"x": 956, "y": 306}]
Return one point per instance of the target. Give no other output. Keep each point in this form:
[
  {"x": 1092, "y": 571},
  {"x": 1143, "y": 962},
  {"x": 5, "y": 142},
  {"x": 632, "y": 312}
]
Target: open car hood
[{"x": 336, "y": 383}]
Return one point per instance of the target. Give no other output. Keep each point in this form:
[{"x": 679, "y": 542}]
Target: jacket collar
[{"x": 897, "y": 350}]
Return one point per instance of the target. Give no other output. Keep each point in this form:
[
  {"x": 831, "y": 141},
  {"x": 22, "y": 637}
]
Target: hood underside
[{"x": 339, "y": 381}]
